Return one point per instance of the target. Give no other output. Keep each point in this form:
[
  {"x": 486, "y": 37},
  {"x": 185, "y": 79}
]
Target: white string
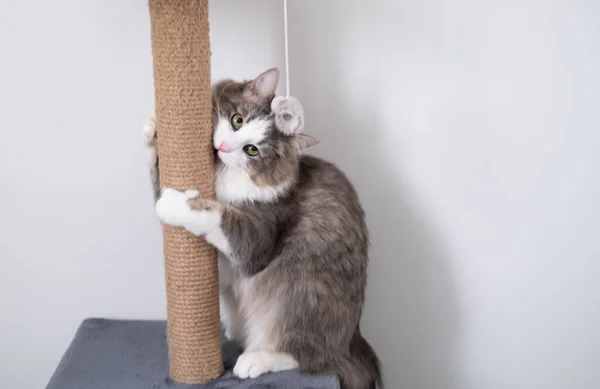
[{"x": 287, "y": 58}]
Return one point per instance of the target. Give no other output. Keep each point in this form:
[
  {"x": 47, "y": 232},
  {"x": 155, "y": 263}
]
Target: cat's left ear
[
  {"x": 265, "y": 84},
  {"x": 303, "y": 141}
]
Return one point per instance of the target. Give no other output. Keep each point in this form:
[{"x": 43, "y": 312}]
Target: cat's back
[
  {"x": 322, "y": 182},
  {"x": 323, "y": 242}
]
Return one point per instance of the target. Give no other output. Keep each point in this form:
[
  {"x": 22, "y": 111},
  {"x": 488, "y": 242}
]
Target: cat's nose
[{"x": 223, "y": 147}]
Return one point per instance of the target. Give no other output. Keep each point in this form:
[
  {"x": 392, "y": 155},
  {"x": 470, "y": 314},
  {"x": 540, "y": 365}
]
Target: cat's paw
[
  {"x": 252, "y": 364},
  {"x": 149, "y": 131},
  {"x": 173, "y": 208},
  {"x": 289, "y": 115},
  {"x": 191, "y": 193}
]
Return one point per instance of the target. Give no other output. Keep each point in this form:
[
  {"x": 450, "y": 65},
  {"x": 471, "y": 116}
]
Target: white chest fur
[{"x": 234, "y": 186}]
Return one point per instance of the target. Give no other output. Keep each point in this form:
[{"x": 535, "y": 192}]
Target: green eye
[
  {"x": 237, "y": 121},
  {"x": 251, "y": 150}
]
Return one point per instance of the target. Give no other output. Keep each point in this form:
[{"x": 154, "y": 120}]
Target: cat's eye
[
  {"x": 237, "y": 121},
  {"x": 251, "y": 150}
]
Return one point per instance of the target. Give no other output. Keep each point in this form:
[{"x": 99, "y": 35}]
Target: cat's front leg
[
  {"x": 199, "y": 216},
  {"x": 247, "y": 237}
]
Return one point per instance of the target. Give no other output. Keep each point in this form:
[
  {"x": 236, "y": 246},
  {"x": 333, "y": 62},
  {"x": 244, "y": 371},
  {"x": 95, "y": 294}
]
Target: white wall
[
  {"x": 471, "y": 131},
  {"x": 467, "y": 127}
]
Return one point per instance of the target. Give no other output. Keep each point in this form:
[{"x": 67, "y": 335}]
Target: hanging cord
[{"x": 287, "y": 58}]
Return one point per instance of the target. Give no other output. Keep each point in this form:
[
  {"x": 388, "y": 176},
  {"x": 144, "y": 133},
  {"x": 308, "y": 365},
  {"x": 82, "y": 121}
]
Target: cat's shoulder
[
  {"x": 324, "y": 191},
  {"x": 310, "y": 164},
  {"x": 318, "y": 171}
]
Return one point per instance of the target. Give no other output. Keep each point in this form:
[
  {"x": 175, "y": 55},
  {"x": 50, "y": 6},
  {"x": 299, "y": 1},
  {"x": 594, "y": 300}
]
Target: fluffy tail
[{"x": 362, "y": 369}]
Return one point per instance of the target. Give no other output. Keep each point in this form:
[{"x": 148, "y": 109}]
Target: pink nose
[{"x": 223, "y": 147}]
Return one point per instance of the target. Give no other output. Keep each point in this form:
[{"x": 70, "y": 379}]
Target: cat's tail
[{"x": 362, "y": 369}]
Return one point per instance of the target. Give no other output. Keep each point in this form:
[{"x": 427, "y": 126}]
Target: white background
[{"x": 470, "y": 129}]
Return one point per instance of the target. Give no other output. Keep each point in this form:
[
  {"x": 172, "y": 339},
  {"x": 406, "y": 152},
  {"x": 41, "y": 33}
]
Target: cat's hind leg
[{"x": 262, "y": 312}]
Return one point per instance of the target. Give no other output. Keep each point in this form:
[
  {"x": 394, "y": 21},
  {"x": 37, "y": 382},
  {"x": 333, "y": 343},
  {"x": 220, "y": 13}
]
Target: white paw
[
  {"x": 191, "y": 193},
  {"x": 149, "y": 130},
  {"x": 252, "y": 364},
  {"x": 172, "y": 208},
  {"x": 152, "y": 157}
]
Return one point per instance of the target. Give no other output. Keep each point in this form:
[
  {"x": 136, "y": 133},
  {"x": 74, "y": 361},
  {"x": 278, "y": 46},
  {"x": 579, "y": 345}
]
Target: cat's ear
[
  {"x": 265, "y": 84},
  {"x": 303, "y": 141}
]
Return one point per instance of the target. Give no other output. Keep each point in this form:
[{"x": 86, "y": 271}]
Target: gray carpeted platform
[{"x": 119, "y": 354}]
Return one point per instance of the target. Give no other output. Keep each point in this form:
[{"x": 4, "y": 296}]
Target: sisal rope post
[{"x": 181, "y": 65}]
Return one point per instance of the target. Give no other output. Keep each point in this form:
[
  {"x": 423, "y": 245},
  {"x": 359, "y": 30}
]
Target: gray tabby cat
[{"x": 291, "y": 236}]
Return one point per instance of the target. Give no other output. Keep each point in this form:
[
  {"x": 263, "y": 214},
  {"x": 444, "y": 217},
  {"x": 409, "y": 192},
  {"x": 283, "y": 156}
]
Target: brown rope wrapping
[{"x": 181, "y": 51}]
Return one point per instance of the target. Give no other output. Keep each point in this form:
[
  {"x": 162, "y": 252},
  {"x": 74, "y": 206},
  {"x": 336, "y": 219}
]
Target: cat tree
[{"x": 132, "y": 354}]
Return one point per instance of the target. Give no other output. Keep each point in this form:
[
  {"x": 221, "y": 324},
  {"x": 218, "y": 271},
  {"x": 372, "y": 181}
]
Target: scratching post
[{"x": 181, "y": 52}]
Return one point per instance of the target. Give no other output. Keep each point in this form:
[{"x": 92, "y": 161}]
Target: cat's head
[{"x": 246, "y": 136}]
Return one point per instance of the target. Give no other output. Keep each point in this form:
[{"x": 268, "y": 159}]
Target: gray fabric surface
[{"x": 120, "y": 354}]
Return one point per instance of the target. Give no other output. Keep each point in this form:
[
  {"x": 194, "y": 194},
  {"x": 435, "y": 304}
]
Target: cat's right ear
[{"x": 264, "y": 85}]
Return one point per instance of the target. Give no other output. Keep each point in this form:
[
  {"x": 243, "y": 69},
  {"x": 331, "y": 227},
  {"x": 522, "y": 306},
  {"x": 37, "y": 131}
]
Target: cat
[{"x": 291, "y": 235}]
